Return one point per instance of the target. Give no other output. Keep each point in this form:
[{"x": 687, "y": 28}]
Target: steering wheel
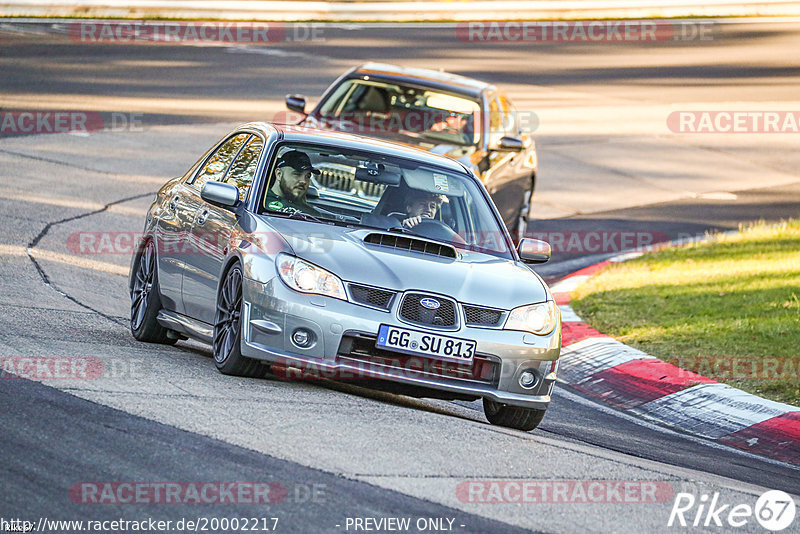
[
  {"x": 397, "y": 216},
  {"x": 436, "y": 229},
  {"x": 432, "y": 228}
]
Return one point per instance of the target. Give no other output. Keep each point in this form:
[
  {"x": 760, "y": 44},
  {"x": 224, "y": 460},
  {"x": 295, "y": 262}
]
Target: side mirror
[
  {"x": 219, "y": 194},
  {"x": 533, "y": 250},
  {"x": 296, "y": 103},
  {"x": 510, "y": 144}
]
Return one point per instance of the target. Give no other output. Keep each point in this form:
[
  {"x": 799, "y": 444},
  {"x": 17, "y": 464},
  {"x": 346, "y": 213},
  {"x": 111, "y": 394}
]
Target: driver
[
  {"x": 420, "y": 205},
  {"x": 292, "y": 177},
  {"x": 451, "y": 124}
]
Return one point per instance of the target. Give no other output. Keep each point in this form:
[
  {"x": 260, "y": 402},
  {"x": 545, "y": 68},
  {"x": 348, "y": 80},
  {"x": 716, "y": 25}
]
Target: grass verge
[{"x": 728, "y": 308}]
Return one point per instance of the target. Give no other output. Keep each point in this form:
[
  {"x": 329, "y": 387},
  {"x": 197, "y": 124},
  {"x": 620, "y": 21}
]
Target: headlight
[
  {"x": 538, "y": 319},
  {"x": 307, "y": 278}
]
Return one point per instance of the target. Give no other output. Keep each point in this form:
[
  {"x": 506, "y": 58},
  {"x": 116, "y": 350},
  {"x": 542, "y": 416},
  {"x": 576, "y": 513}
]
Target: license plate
[{"x": 425, "y": 344}]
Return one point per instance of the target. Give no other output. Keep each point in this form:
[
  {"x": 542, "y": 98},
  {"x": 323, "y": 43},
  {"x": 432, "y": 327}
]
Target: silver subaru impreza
[{"x": 327, "y": 255}]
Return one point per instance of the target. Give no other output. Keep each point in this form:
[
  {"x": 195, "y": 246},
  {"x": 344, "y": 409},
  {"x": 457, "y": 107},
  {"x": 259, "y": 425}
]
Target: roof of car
[
  {"x": 425, "y": 77},
  {"x": 303, "y": 134}
]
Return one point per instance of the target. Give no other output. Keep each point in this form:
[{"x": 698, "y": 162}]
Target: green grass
[{"x": 728, "y": 308}]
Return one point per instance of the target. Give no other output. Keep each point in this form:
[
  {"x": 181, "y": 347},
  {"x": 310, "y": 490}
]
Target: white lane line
[
  {"x": 72, "y": 203},
  {"x": 49, "y": 255},
  {"x": 133, "y": 178},
  {"x": 77, "y": 261},
  {"x": 275, "y": 52},
  {"x": 664, "y": 430},
  {"x": 582, "y": 360},
  {"x": 569, "y": 284},
  {"x": 568, "y": 315},
  {"x": 12, "y": 250},
  {"x": 712, "y": 410}
]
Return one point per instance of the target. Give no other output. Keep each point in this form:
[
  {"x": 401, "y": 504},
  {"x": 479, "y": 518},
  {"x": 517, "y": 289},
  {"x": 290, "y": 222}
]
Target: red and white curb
[{"x": 635, "y": 382}]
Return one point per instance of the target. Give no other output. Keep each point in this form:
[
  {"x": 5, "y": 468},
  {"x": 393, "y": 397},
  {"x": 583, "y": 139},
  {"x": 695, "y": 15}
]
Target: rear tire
[
  {"x": 228, "y": 330},
  {"x": 146, "y": 300},
  {"x": 512, "y": 416}
]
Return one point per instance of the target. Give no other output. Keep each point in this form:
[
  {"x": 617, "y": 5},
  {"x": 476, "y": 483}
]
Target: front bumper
[{"x": 272, "y": 312}]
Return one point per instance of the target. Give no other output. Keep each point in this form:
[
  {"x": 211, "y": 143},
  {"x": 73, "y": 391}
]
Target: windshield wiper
[
  {"x": 296, "y": 215},
  {"x": 306, "y": 217},
  {"x": 302, "y": 216}
]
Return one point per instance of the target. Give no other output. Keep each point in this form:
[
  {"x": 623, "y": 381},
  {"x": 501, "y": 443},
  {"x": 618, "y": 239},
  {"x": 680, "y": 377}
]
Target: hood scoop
[{"x": 412, "y": 244}]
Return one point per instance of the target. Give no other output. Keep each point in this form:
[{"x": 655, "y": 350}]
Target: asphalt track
[{"x": 608, "y": 163}]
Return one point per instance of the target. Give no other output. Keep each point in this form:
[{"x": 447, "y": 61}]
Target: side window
[
  {"x": 217, "y": 164},
  {"x": 243, "y": 169},
  {"x": 510, "y": 117},
  {"x": 332, "y": 105},
  {"x": 496, "y": 130}
]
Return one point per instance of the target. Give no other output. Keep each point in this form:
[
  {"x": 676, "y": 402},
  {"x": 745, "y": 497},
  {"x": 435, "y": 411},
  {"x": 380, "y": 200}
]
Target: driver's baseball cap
[{"x": 297, "y": 160}]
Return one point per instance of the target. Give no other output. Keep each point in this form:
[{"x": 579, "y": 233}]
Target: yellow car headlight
[
  {"x": 308, "y": 278},
  {"x": 539, "y": 319}
]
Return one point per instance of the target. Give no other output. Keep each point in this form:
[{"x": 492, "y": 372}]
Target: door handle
[
  {"x": 174, "y": 203},
  {"x": 201, "y": 219}
]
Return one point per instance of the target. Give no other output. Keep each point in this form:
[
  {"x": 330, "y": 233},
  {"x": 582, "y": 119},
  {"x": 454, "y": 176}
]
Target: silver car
[
  {"x": 462, "y": 118},
  {"x": 319, "y": 254}
]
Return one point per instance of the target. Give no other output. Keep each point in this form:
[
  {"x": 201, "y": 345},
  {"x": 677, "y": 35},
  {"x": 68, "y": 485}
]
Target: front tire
[
  {"x": 512, "y": 416},
  {"x": 520, "y": 226},
  {"x": 228, "y": 330},
  {"x": 146, "y": 300}
]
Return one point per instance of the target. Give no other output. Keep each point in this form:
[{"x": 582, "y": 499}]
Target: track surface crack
[{"x": 46, "y": 279}]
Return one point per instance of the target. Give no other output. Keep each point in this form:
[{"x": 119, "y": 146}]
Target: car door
[
  {"x": 212, "y": 230},
  {"x": 508, "y": 176},
  {"x": 173, "y": 224}
]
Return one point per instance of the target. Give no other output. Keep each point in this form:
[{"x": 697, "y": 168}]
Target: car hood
[{"x": 472, "y": 277}]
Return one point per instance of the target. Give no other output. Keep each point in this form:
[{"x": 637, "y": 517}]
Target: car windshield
[
  {"x": 375, "y": 108},
  {"x": 331, "y": 185}
]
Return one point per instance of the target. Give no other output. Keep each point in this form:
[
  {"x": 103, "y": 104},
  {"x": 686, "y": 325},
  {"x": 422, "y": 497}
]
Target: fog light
[
  {"x": 303, "y": 338},
  {"x": 527, "y": 380}
]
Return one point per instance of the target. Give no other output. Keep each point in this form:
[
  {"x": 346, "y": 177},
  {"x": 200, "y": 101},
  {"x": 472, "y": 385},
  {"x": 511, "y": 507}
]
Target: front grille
[
  {"x": 409, "y": 243},
  {"x": 372, "y": 296},
  {"x": 475, "y": 315},
  {"x": 413, "y": 311},
  {"x": 360, "y": 349}
]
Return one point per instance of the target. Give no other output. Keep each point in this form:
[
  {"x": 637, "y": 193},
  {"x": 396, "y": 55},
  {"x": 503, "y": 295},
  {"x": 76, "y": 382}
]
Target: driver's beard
[{"x": 295, "y": 194}]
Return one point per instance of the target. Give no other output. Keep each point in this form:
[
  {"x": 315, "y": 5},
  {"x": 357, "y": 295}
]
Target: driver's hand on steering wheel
[{"x": 411, "y": 222}]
